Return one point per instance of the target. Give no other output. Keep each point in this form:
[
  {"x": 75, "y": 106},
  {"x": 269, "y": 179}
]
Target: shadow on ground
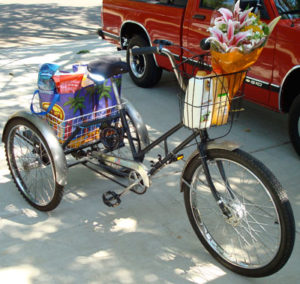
[{"x": 38, "y": 23}]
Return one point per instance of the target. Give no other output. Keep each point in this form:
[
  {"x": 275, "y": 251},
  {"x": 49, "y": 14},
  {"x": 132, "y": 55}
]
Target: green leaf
[
  {"x": 83, "y": 51},
  {"x": 266, "y": 30}
]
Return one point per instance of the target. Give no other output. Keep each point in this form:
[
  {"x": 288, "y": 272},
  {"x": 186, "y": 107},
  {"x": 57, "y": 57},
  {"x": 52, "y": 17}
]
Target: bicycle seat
[{"x": 108, "y": 67}]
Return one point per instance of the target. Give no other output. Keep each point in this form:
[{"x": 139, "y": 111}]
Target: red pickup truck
[{"x": 271, "y": 82}]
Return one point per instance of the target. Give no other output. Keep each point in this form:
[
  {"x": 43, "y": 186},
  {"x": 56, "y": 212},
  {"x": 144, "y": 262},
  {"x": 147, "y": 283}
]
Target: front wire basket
[{"x": 211, "y": 99}]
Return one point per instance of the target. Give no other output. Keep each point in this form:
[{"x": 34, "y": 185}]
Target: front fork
[{"x": 202, "y": 148}]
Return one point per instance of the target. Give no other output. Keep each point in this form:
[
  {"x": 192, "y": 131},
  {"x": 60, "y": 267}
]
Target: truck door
[{"x": 197, "y": 21}]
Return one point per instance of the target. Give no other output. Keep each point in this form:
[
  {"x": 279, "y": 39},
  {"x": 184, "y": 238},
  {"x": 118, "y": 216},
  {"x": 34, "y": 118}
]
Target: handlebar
[
  {"x": 145, "y": 50},
  {"x": 161, "y": 50}
]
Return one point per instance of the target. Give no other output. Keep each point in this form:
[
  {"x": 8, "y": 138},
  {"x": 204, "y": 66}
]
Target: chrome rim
[
  {"x": 251, "y": 237},
  {"x": 137, "y": 64},
  {"x": 31, "y": 165}
]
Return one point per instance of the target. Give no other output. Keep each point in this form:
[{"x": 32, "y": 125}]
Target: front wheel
[
  {"x": 257, "y": 237},
  {"x": 294, "y": 124},
  {"x": 31, "y": 165},
  {"x": 143, "y": 70}
]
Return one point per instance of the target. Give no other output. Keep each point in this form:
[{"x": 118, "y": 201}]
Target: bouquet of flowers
[{"x": 237, "y": 39}]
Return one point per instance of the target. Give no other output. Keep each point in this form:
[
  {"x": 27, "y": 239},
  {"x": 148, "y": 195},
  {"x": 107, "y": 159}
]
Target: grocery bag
[{"x": 66, "y": 104}]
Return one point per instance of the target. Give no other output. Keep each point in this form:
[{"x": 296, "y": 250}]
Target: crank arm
[
  {"x": 128, "y": 188},
  {"x": 129, "y": 164}
]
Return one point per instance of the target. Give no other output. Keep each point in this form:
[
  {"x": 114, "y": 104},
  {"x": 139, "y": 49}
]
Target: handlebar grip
[
  {"x": 144, "y": 50},
  {"x": 204, "y": 45}
]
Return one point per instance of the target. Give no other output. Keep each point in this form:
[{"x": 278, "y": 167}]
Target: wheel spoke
[{"x": 31, "y": 166}]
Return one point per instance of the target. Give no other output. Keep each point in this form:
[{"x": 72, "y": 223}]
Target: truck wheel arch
[
  {"x": 131, "y": 28},
  {"x": 289, "y": 99},
  {"x": 289, "y": 89}
]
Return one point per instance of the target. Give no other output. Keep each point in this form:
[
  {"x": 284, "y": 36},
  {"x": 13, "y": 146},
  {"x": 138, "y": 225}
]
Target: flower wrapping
[{"x": 233, "y": 62}]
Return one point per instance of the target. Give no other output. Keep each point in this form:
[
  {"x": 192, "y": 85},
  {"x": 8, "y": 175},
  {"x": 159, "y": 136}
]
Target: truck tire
[
  {"x": 143, "y": 70},
  {"x": 294, "y": 124}
]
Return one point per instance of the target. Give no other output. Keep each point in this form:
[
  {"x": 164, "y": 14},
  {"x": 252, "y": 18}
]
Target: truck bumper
[
  {"x": 100, "y": 33},
  {"x": 112, "y": 38}
]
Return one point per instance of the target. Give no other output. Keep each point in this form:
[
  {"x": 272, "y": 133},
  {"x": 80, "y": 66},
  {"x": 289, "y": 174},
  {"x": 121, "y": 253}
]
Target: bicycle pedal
[
  {"x": 176, "y": 158},
  {"x": 111, "y": 199}
]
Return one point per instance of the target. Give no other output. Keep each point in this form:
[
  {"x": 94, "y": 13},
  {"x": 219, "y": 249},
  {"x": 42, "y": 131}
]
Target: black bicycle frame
[{"x": 169, "y": 156}]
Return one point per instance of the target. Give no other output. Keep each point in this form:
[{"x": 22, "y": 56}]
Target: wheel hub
[
  {"x": 237, "y": 212},
  {"x": 30, "y": 165},
  {"x": 137, "y": 64}
]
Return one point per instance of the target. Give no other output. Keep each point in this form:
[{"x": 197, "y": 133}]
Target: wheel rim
[
  {"x": 31, "y": 165},
  {"x": 253, "y": 238},
  {"x": 137, "y": 64}
]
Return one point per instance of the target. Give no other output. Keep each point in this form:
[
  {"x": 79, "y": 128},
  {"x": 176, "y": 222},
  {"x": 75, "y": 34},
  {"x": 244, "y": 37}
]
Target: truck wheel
[
  {"x": 143, "y": 70},
  {"x": 294, "y": 124}
]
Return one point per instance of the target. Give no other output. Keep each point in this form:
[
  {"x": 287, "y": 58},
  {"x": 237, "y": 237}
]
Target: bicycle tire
[
  {"x": 250, "y": 223},
  {"x": 31, "y": 165}
]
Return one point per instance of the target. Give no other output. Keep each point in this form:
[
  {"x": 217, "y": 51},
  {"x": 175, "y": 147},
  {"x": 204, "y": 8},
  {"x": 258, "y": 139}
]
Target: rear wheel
[
  {"x": 143, "y": 70},
  {"x": 31, "y": 165},
  {"x": 294, "y": 124},
  {"x": 257, "y": 238}
]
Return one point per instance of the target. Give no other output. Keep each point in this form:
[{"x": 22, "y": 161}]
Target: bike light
[{"x": 96, "y": 77}]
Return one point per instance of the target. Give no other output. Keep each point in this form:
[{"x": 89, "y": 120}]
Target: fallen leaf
[{"x": 83, "y": 51}]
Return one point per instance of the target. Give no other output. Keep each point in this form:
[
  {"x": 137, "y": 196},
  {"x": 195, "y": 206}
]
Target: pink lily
[
  {"x": 218, "y": 38},
  {"x": 230, "y": 30},
  {"x": 226, "y": 14},
  {"x": 221, "y": 47},
  {"x": 237, "y": 38},
  {"x": 217, "y": 34},
  {"x": 236, "y": 10},
  {"x": 243, "y": 18}
]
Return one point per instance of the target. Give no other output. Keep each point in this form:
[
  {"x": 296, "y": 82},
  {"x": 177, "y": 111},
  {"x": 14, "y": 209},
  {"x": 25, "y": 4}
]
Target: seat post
[{"x": 116, "y": 92}]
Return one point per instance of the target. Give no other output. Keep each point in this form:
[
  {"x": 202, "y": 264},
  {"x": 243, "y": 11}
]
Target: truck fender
[
  {"x": 138, "y": 122},
  {"x": 141, "y": 27},
  {"x": 285, "y": 98},
  {"x": 225, "y": 145},
  {"x": 56, "y": 150}
]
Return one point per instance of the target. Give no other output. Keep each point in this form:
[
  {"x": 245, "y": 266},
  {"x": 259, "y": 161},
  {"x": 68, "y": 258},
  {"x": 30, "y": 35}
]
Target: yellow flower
[
  {"x": 251, "y": 15},
  {"x": 252, "y": 27}
]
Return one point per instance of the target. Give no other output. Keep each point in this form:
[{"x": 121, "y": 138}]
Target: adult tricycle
[{"x": 236, "y": 206}]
